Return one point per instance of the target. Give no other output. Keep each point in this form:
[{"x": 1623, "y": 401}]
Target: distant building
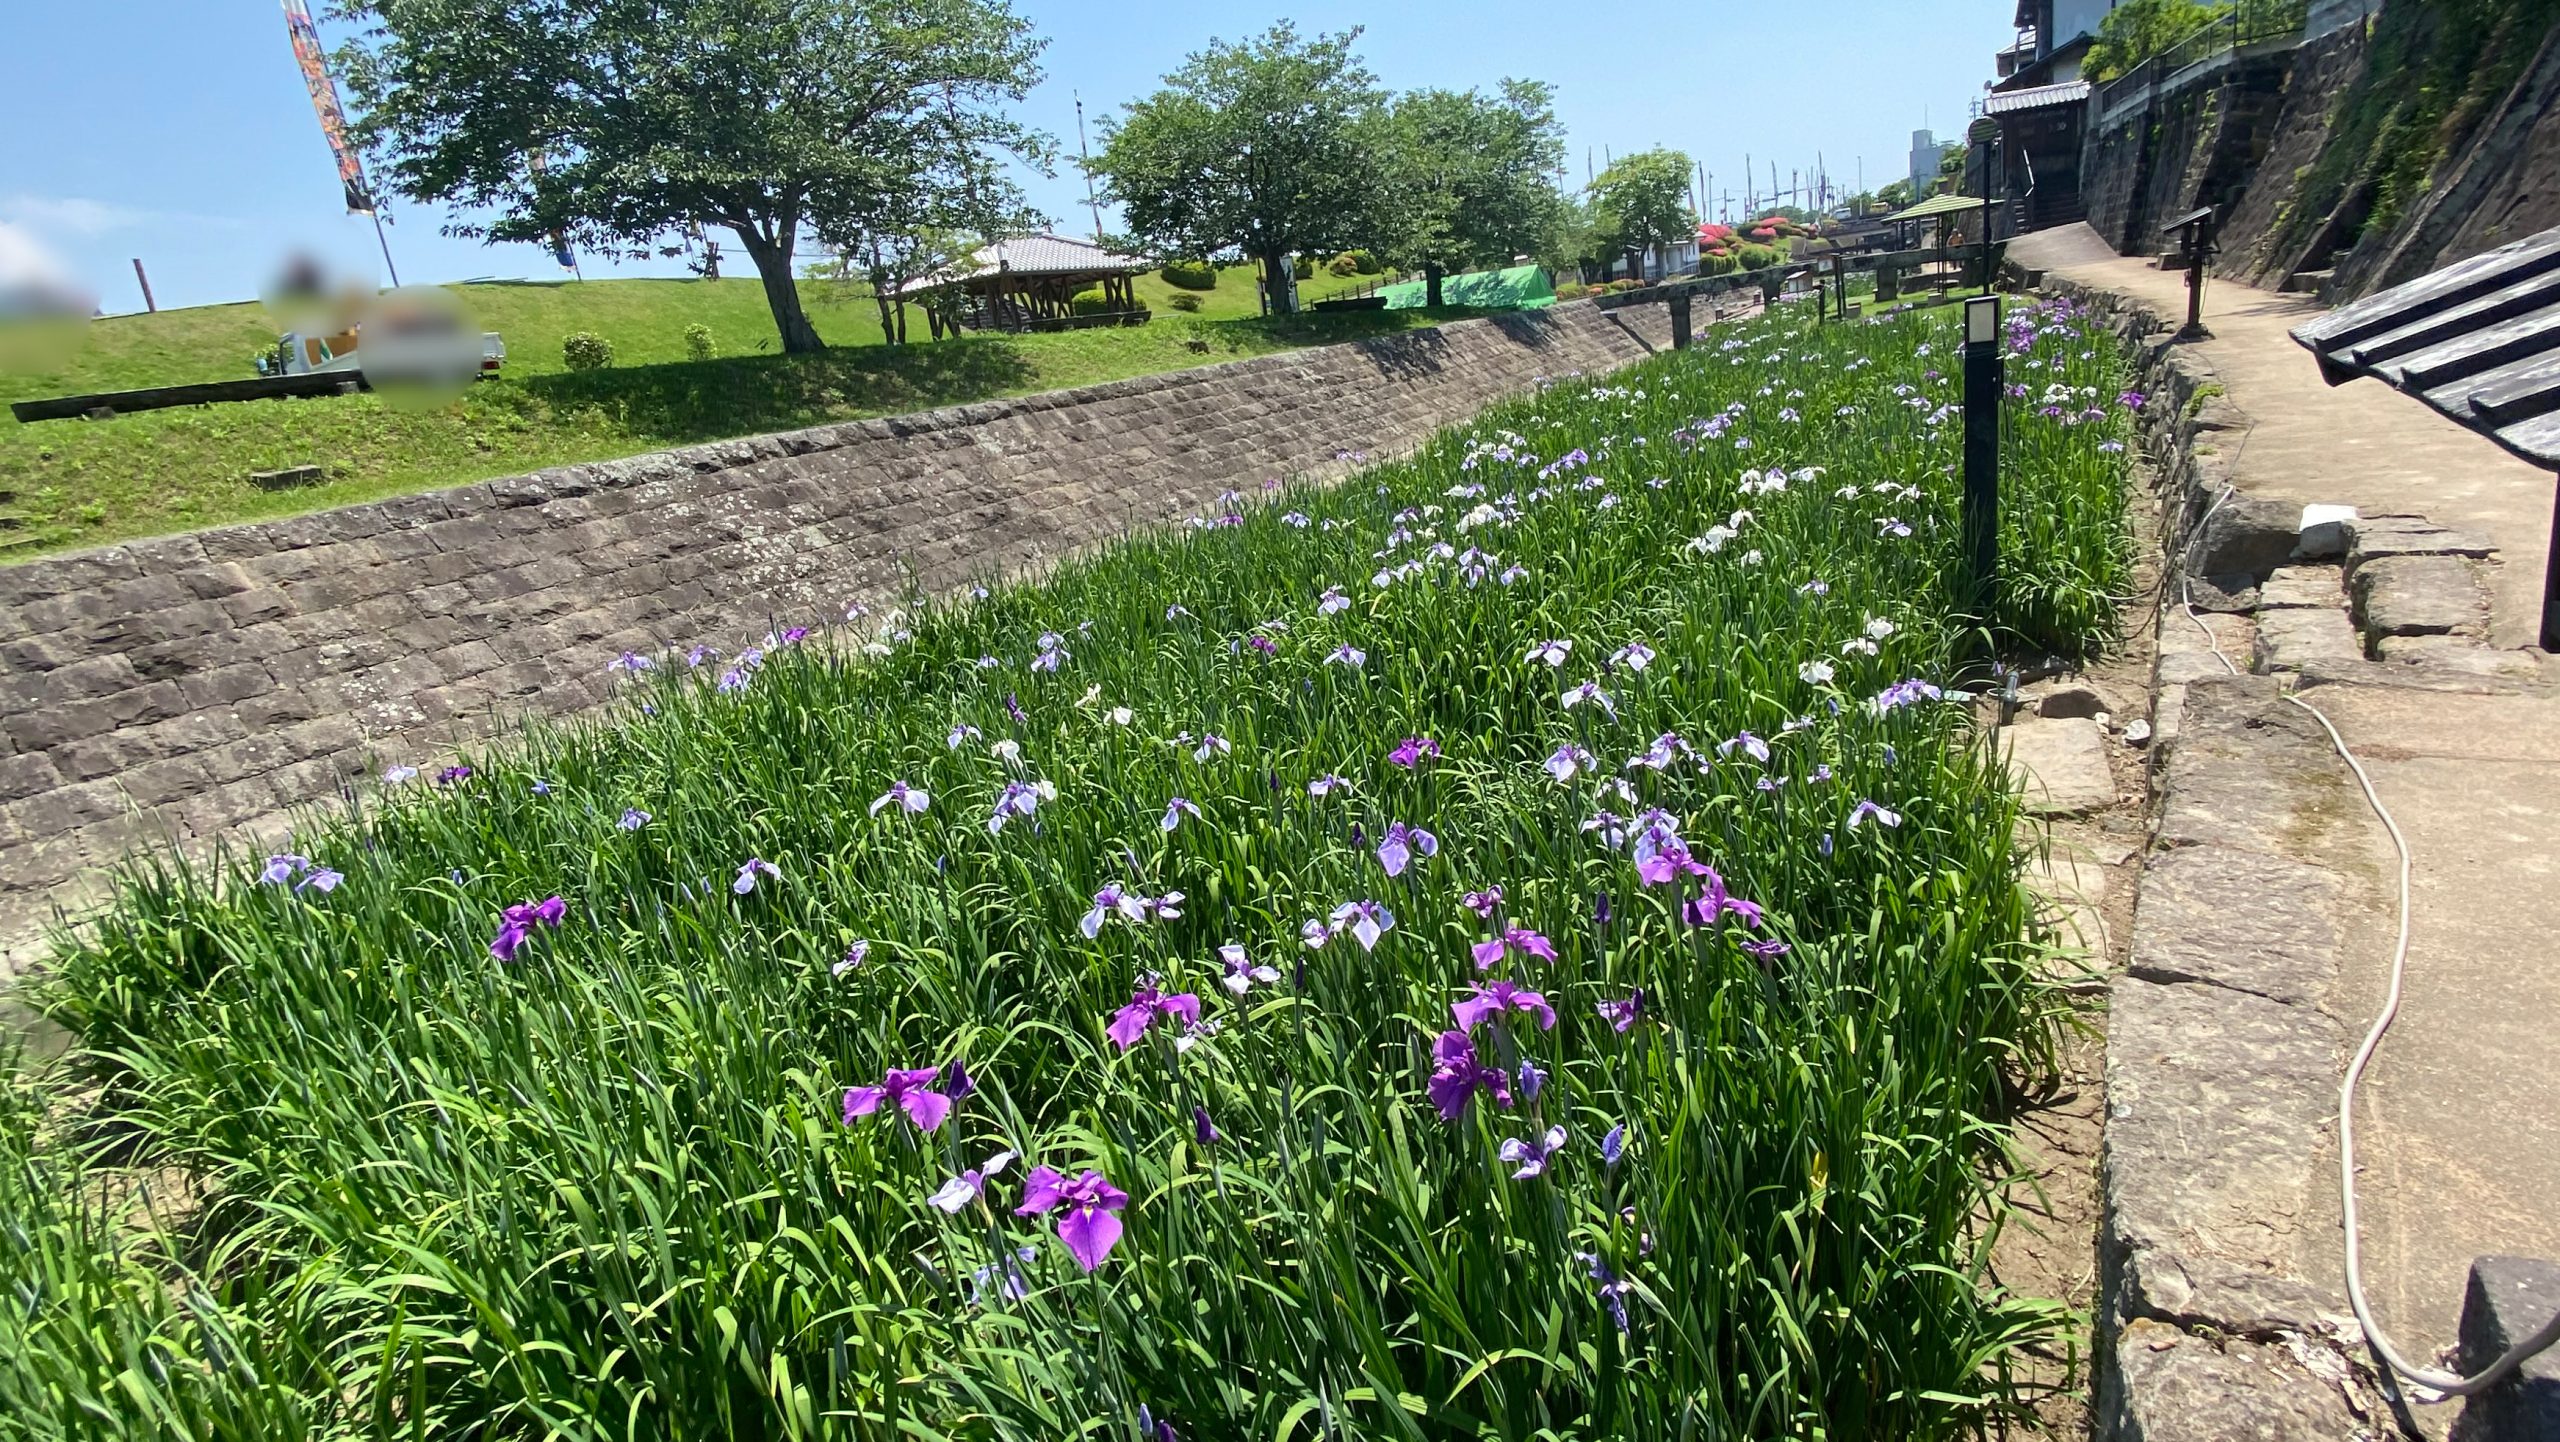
[
  {"x": 2053, "y": 36},
  {"x": 1927, "y": 154}
]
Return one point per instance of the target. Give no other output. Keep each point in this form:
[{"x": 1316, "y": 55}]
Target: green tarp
[{"x": 1522, "y": 287}]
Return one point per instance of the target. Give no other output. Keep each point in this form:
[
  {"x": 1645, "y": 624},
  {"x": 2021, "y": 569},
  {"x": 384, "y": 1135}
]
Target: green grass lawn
[
  {"x": 1516, "y": 947},
  {"x": 66, "y": 484}
]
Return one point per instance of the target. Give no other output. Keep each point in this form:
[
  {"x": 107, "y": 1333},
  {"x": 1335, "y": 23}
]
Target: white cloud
[{"x": 71, "y": 215}]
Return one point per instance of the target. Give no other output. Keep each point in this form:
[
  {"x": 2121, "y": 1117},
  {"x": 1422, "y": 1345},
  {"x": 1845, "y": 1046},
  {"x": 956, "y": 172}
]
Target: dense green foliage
[
  {"x": 1473, "y": 177},
  {"x": 584, "y": 350},
  {"x": 616, "y": 123},
  {"x": 1642, "y": 201},
  {"x": 606, "y": 1186},
  {"x": 1189, "y": 274}
]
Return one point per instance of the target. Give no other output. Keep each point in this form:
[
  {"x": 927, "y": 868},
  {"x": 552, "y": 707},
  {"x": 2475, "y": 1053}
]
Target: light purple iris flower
[
  {"x": 910, "y": 1089},
  {"x": 1660, "y": 855},
  {"x": 1495, "y": 998},
  {"x": 1017, "y": 799},
  {"x": 1211, "y": 744},
  {"x": 1635, "y": 656},
  {"x": 1146, "y": 1007},
  {"x": 1513, "y": 938},
  {"x": 1866, "y": 811},
  {"x": 1402, "y": 844},
  {"x": 909, "y": 799},
  {"x": 1530, "y": 1154},
  {"x": 1332, "y": 601},
  {"x": 1567, "y": 761},
  {"x": 281, "y": 870},
  {"x": 746, "y": 881},
  {"x": 1457, "y": 1075},
  {"x": 1129, "y": 905},
  {"x": 1620, "y": 1015},
  {"x": 1665, "y": 749},
  {"x": 633, "y": 818},
  {"x": 1752, "y": 746},
  {"x": 1590, "y": 691},
  {"x": 1766, "y": 949},
  {"x": 854, "y": 956},
  {"x": 1904, "y": 693},
  {"x": 1614, "y": 1145},
  {"x": 1410, "y": 752},
  {"x": 1483, "y": 903},
  {"x": 962, "y": 732},
  {"x": 1089, "y": 1227},
  {"x": 1552, "y": 652},
  {"x": 1175, "y": 810},
  {"x": 1613, "y": 1292},
  {"x": 1349, "y": 655},
  {"x": 1241, "y": 972},
  {"x": 1326, "y": 785},
  {"x": 963, "y": 1189},
  {"x": 1365, "y": 920},
  {"x": 630, "y": 663},
  {"x": 517, "y": 923},
  {"x": 1315, "y": 934},
  {"x": 1532, "y": 1081}
]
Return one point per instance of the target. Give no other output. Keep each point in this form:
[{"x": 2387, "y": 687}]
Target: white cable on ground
[{"x": 2444, "y": 1385}]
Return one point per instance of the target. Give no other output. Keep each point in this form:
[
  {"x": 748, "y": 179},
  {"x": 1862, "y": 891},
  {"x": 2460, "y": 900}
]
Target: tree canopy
[
  {"x": 1643, "y": 200},
  {"x": 1473, "y": 177},
  {"x": 615, "y": 122},
  {"x": 1270, "y": 146},
  {"x": 2136, "y": 30}
]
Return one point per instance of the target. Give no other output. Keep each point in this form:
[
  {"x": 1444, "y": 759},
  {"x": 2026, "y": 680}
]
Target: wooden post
[
  {"x": 147, "y": 302},
  {"x": 1680, "y": 320},
  {"x": 2551, "y": 582}
]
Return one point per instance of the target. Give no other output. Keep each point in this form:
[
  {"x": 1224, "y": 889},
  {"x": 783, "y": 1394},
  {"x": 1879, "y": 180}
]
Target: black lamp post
[{"x": 1985, "y": 373}]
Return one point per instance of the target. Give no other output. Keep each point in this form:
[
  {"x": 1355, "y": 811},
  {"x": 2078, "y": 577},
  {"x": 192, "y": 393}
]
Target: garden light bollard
[{"x": 1984, "y": 373}]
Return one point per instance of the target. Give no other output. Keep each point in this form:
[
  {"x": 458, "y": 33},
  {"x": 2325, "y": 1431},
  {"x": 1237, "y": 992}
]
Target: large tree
[
  {"x": 1473, "y": 177},
  {"x": 1643, "y": 201},
  {"x": 615, "y": 122},
  {"x": 1271, "y": 147}
]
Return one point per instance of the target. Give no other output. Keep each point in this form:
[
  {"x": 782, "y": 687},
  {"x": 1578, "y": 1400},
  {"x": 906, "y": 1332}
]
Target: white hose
[{"x": 2445, "y": 1385}]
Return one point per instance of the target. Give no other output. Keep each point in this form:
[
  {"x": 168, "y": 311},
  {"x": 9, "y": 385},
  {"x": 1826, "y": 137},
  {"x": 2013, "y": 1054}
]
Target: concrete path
[{"x": 2459, "y": 1131}]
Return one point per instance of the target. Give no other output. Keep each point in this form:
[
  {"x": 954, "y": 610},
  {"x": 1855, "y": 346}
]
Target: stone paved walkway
[{"x": 2459, "y": 1132}]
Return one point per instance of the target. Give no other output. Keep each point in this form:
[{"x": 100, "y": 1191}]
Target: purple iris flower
[
  {"x": 1175, "y": 810},
  {"x": 1211, "y": 744},
  {"x": 1331, "y": 601},
  {"x": 1242, "y": 973},
  {"x": 1590, "y": 691},
  {"x": 1532, "y": 1081},
  {"x": 1483, "y": 903},
  {"x": 1263, "y": 644},
  {"x": 1714, "y": 904},
  {"x": 1614, "y": 1145},
  {"x": 1315, "y": 934},
  {"x": 630, "y": 663},
  {"x": 633, "y": 818},
  {"x": 909, "y": 799},
  {"x": 1349, "y": 655},
  {"x": 732, "y": 679},
  {"x": 1129, "y": 905},
  {"x": 1013, "y": 708},
  {"x": 1513, "y": 938},
  {"x": 1089, "y": 1229},
  {"x": 1410, "y": 752},
  {"x": 517, "y": 923},
  {"x": 280, "y": 870},
  {"x": 1661, "y": 856},
  {"x": 962, "y": 732},
  {"x": 1620, "y": 1015},
  {"x": 854, "y": 956},
  {"x": 956, "y": 1081},
  {"x": 453, "y": 775},
  {"x": 1866, "y": 811},
  {"x": 1402, "y": 844},
  {"x": 1203, "y": 1130},
  {"x": 1613, "y": 1292},
  {"x": 1146, "y": 1007},
  {"x": 1768, "y": 949},
  {"x": 1752, "y": 746},
  {"x": 1566, "y": 761},
  {"x": 1365, "y": 920},
  {"x": 1017, "y": 799},
  {"x": 1457, "y": 1075},
  {"x": 963, "y": 1189},
  {"x": 1666, "y": 748},
  {"x": 910, "y": 1089},
  {"x": 1490, "y": 1000},
  {"x": 746, "y": 881},
  {"x": 1530, "y": 1154}
]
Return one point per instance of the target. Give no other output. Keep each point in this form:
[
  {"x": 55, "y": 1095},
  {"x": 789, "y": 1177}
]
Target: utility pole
[
  {"x": 148, "y": 303},
  {"x": 1747, "y": 206},
  {"x": 1087, "y": 154}
]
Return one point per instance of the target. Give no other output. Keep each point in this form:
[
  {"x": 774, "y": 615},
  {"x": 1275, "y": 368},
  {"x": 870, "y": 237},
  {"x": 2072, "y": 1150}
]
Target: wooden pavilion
[{"x": 1030, "y": 283}]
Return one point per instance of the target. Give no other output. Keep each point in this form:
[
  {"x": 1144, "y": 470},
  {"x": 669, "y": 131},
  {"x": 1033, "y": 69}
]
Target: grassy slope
[{"x": 65, "y": 484}]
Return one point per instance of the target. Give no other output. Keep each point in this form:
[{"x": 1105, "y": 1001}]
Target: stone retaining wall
[{"x": 188, "y": 687}]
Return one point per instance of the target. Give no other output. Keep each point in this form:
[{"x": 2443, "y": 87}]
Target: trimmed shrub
[
  {"x": 698, "y": 344},
  {"x": 1089, "y": 302},
  {"x": 1189, "y": 274},
  {"x": 1344, "y": 264},
  {"x": 1572, "y": 290},
  {"x": 1756, "y": 257},
  {"x": 1719, "y": 262},
  {"x": 1304, "y": 267},
  {"x": 1364, "y": 262},
  {"x": 586, "y": 351},
  {"x": 1184, "y": 302}
]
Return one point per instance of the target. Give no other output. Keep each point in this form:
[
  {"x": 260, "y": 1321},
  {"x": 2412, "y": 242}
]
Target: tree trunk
[
  {"x": 1275, "y": 279},
  {"x": 781, "y": 290},
  {"x": 1431, "y": 274}
]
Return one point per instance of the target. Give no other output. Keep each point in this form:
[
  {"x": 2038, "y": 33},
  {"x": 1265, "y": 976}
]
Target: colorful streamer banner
[{"x": 324, "y": 100}]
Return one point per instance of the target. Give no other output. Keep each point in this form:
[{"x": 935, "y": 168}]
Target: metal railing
[{"x": 2251, "y": 22}]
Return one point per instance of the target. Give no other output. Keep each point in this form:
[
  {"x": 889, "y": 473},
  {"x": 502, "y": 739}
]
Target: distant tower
[{"x": 1926, "y": 153}]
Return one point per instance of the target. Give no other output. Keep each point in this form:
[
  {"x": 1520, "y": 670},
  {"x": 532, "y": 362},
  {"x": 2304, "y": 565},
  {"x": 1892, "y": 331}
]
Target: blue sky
[{"x": 178, "y": 131}]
